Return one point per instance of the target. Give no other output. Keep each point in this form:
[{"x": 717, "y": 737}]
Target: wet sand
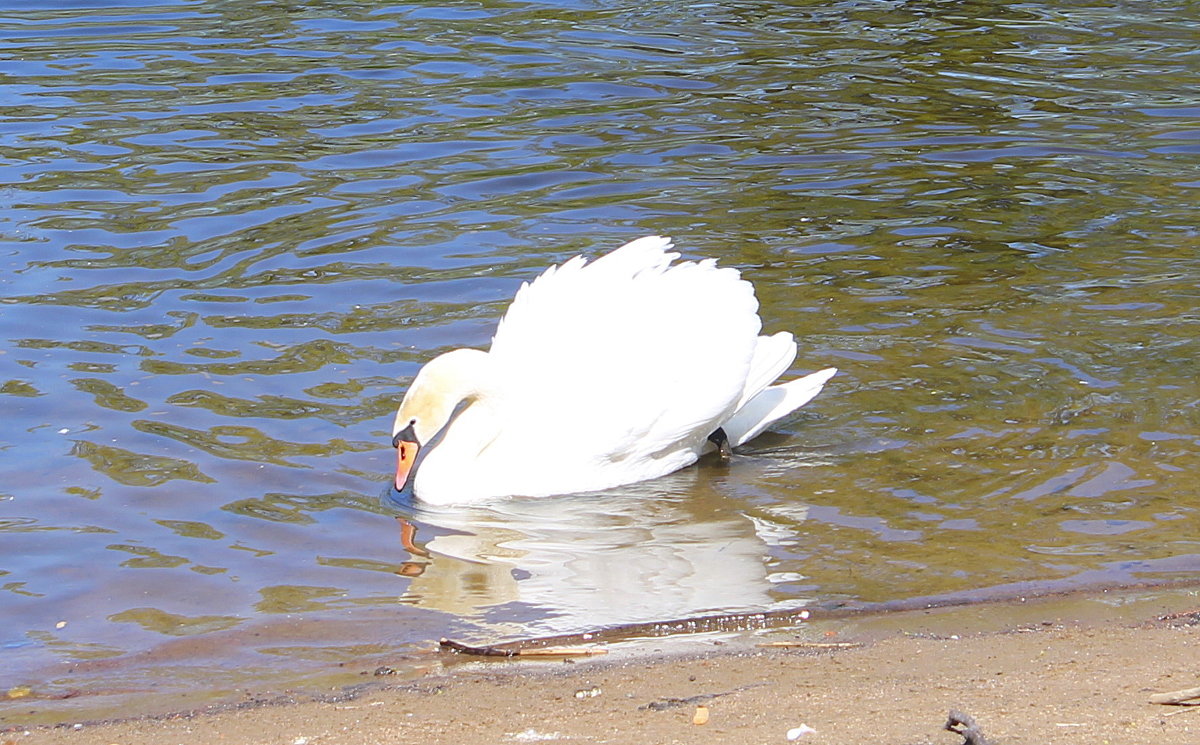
[{"x": 1043, "y": 676}]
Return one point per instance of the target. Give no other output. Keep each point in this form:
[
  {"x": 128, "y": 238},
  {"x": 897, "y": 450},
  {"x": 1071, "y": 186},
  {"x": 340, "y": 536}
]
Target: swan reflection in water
[{"x": 661, "y": 550}]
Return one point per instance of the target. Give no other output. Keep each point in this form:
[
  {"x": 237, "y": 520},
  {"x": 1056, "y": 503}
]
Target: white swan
[{"x": 601, "y": 373}]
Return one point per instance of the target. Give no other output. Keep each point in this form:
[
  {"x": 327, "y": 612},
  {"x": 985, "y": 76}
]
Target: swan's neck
[
  {"x": 454, "y": 377},
  {"x": 473, "y": 428},
  {"x": 461, "y": 385}
]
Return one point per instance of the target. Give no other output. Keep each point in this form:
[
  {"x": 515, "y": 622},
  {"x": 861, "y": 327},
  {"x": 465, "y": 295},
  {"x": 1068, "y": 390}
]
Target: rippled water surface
[{"x": 230, "y": 233}]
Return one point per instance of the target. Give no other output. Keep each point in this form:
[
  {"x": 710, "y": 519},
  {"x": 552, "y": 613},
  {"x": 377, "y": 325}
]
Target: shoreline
[{"x": 1046, "y": 670}]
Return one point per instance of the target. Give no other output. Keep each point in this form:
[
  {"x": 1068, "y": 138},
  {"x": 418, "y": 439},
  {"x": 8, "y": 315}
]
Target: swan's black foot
[{"x": 721, "y": 440}]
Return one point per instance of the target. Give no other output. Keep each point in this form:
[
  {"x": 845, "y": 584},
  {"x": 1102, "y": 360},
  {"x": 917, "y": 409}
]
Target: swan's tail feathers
[
  {"x": 773, "y": 355},
  {"x": 774, "y": 403}
]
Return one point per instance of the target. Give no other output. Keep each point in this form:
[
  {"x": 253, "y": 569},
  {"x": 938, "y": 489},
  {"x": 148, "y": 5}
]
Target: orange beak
[{"x": 407, "y": 447}]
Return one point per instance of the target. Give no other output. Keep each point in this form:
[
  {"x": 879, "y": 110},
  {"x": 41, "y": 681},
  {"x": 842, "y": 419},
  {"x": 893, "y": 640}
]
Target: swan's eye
[{"x": 405, "y": 434}]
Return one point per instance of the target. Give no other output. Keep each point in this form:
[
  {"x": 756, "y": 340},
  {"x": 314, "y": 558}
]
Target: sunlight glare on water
[{"x": 231, "y": 232}]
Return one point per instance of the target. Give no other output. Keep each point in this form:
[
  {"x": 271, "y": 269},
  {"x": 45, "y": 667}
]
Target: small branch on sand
[
  {"x": 1177, "y": 697},
  {"x": 671, "y": 703},
  {"x": 561, "y": 652},
  {"x": 1184, "y": 709},
  {"x": 461, "y": 648},
  {"x": 810, "y": 645},
  {"x": 965, "y": 726}
]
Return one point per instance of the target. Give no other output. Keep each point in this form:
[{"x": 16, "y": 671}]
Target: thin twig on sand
[
  {"x": 1177, "y": 697},
  {"x": 671, "y": 703}
]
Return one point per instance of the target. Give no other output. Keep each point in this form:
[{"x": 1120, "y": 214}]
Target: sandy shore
[{"x": 1052, "y": 680}]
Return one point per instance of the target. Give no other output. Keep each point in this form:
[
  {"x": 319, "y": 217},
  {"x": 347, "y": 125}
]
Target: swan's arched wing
[{"x": 626, "y": 356}]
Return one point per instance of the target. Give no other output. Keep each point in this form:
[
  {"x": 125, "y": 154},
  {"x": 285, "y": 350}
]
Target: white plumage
[{"x": 601, "y": 373}]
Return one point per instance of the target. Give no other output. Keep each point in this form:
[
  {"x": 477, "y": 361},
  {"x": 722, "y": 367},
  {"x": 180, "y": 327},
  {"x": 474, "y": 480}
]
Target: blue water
[{"x": 231, "y": 232}]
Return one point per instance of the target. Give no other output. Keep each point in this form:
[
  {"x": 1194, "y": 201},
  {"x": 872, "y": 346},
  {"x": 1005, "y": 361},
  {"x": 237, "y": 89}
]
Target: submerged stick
[
  {"x": 812, "y": 645},
  {"x": 461, "y": 648},
  {"x": 489, "y": 651}
]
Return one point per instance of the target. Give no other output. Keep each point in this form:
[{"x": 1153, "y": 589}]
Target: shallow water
[{"x": 230, "y": 233}]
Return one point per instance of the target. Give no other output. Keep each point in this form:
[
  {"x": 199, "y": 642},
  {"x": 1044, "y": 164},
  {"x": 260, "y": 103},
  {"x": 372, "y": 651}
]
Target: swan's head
[{"x": 440, "y": 386}]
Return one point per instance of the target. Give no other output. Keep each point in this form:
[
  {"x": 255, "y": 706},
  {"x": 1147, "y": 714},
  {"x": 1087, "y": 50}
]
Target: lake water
[{"x": 231, "y": 232}]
